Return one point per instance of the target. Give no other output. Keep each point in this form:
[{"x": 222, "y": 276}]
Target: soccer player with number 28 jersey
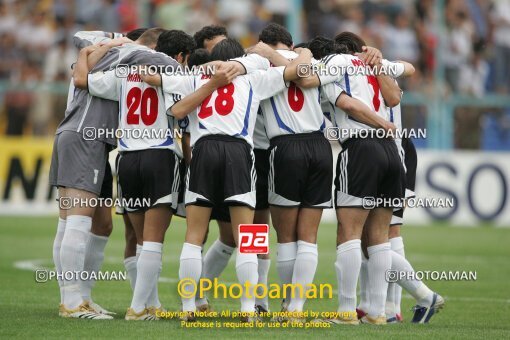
[{"x": 222, "y": 163}]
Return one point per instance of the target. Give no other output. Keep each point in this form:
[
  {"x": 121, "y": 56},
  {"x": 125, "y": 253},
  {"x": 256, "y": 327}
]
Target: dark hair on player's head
[
  {"x": 301, "y": 45},
  {"x": 273, "y": 34},
  {"x": 136, "y": 33},
  {"x": 198, "y": 57},
  {"x": 322, "y": 46},
  {"x": 227, "y": 49},
  {"x": 173, "y": 42},
  {"x": 353, "y": 42},
  {"x": 208, "y": 33},
  {"x": 150, "y": 36}
]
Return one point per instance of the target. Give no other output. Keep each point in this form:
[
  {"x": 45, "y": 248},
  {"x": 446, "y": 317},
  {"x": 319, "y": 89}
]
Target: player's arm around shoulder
[
  {"x": 266, "y": 55},
  {"x": 224, "y": 75},
  {"x": 295, "y": 69},
  {"x": 81, "y": 68},
  {"x": 362, "y": 113},
  {"x": 311, "y": 78},
  {"x": 83, "y": 39},
  {"x": 390, "y": 90},
  {"x": 87, "y": 59}
]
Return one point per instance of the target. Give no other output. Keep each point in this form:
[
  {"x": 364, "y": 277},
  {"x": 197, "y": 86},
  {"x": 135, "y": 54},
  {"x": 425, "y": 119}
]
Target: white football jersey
[
  {"x": 295, "y": 110},
  {"x": 230, "y": 110},
  {"x": 359, "y": 86},
  {"x": 396, "y": 118},
  {"x": 143, "y": 122}
]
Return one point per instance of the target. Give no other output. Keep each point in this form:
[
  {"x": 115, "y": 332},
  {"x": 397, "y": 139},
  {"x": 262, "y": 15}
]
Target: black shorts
[
  {"x": 220, "y": 213},
  {"x": 222, "y": 171},
  {"x": 411, "y": 163},
  {"x": 301, "y": 171},
  {"x": 181, "y": 209},
  {"x": 369, "y": 168},
  {"x": 107, "y": 186},
  {"x": 262, "y": 169},
  {"x": 149, "y": 178},
  {"x": 119, "y": 209}
]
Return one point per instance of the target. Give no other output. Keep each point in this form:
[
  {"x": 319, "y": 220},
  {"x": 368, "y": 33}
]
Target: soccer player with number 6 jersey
[
  {"x": 222, "y": 140},
  {"x": 300, "y": 172}
]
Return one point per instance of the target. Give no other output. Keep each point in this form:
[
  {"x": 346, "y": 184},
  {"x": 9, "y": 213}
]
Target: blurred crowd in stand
[{"x": 36, "y": 49}]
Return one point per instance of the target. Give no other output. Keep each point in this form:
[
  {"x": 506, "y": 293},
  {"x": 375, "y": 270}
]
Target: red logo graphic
[{"x": 254, "y": 238}]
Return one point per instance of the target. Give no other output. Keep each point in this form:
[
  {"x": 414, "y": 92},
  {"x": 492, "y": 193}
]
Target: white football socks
[
  {"x": 264, "y": 265},
  {"x": 305, "y": 267},
  {"x": 130, "y": 265},
  {"x": 247, "y": 271},
  {"x": 72, "y": 256},
  {"x": 364, "y": 299},
  {"x": 147, "y": 268},
  {"x": 379, "y": 262},
  {"x": 139, "y": 248},
  {"x": 394, "y": 290},
  {"x": 153, "y": 300},
  {"x": 190, "y": 268},
  {"x": 285, "y": 258},
  {"x": 57, "y": 242},
  {"x": 348, "y": 264},
  {"x": 417, "y": 289},
  {"x": 215, "y": 261},
  {"x": 94, "y": 256}
]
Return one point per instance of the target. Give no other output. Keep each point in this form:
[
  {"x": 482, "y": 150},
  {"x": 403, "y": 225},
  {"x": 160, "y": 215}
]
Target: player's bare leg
[
  {"x": 307, "y": 256},
  {"x": 225, "y": 233},
  {"x": 348, "y": 259},
  {"x": 94, "y": 254},
  {"x": 262, "y": 305},
  {"x": 197, "y": 220},
  {"x": 130, "y": 255},
  {"x": 379, "y": 262},
  {"x": 137, "y": 221},
  {"x": 285, "y": 224}
]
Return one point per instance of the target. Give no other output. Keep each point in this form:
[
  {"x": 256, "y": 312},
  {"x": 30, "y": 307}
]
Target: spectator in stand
[
  {"x": 473, "y": 75},
  {"x": 10, "y": 55},
  {"x": 500, "y": 16},
  {"x": 128, "y": 14},
  {"x": 400, "y": 41},
  {"x": 107, "y": 17},
  {"x": 459, "y": 43},
  {"x": 172, "y": 14},
  {"x": 19, "y": 99}
]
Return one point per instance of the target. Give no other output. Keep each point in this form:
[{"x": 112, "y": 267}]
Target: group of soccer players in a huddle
[{"x": 253, "y": 151}]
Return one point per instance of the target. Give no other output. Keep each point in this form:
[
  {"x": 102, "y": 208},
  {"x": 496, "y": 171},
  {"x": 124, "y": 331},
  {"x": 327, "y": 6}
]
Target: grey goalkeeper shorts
[{"x": 78, "y": 163}]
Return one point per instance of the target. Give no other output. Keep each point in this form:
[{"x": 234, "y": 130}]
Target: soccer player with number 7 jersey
[{"x": 222, "y": 163}]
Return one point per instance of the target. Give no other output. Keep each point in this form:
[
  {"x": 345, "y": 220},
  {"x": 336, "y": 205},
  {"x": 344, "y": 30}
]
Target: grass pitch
[{"x": 474, "y": 309}]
